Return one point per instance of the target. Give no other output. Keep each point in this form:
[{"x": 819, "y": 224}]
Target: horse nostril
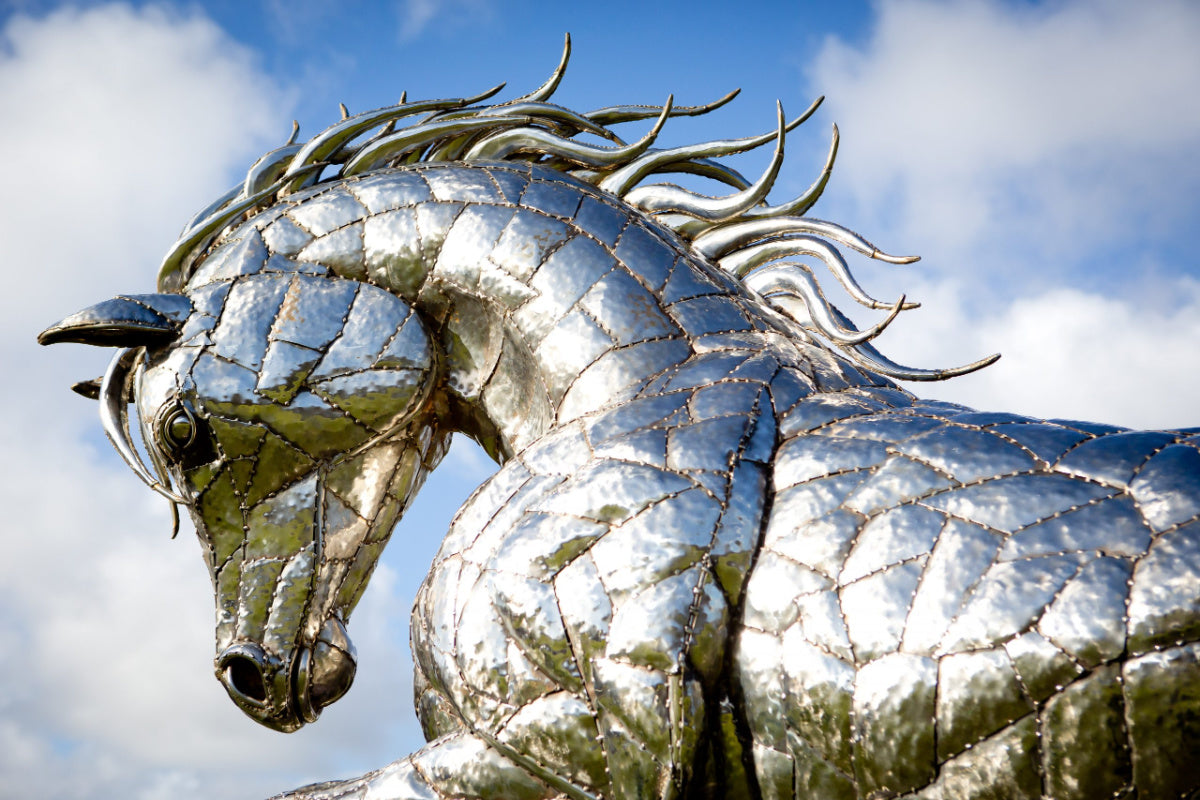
[
  {"x": 242, "y": 669},
  {"x": 244, "y": 676}
]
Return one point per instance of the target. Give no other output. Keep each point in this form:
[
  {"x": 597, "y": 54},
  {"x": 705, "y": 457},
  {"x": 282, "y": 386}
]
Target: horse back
[{"x": 947, "y": 602}]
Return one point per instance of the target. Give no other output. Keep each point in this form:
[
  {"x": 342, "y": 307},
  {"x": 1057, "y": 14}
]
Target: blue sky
[{"x": 1039, "y": 156}]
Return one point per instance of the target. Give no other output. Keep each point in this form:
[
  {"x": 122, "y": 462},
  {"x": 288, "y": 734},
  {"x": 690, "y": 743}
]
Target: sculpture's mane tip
[
  {"x": 965, "y": 369},
  {"x": 479, "y": 98},
  {"x": 738, "y": 231},
  {"x": 551, "y": 85}
]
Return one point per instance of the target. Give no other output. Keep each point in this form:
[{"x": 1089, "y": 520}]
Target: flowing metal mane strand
[{"x": 739, "y": 232}]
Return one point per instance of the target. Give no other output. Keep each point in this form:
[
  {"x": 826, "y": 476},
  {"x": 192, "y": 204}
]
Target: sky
[{"x": 1039, "y": 156}]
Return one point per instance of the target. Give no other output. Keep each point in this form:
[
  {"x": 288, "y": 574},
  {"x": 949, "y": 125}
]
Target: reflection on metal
[{"x": 724, "y": 554}]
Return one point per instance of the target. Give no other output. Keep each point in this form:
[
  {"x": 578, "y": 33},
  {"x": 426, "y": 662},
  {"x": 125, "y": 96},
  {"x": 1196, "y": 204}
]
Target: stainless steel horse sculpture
[{"x": 724, "y": 556}]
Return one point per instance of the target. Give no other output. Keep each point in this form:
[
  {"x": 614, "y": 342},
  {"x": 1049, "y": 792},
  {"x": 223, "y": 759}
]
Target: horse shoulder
[{"x": 589, "y": 582}]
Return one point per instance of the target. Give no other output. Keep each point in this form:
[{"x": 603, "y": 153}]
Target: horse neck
[{"x": 552, "y": 301}]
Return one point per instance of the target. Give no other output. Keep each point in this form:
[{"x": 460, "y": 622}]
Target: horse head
[{"x": 291, "y": 413}]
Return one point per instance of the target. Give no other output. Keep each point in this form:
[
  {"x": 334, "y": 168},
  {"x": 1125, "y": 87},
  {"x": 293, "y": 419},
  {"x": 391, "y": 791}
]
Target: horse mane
[{"x": 739, "y": 232}]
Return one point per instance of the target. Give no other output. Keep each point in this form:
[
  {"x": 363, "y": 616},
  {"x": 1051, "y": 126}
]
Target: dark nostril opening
[{"x": 246, "y": 678}]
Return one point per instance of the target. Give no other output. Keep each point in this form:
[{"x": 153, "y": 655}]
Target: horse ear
[{"x": 131, "y": 320}]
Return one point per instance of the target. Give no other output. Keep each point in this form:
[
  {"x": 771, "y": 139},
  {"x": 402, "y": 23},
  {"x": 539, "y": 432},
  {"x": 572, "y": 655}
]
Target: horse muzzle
[{"x": 284, "y": 695}]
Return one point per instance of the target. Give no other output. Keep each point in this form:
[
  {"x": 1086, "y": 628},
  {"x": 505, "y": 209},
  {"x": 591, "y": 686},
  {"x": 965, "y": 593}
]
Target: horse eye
[{"x": 177, "y": 429}]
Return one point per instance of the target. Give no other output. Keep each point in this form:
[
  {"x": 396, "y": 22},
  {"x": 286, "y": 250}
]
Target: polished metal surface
[{"x": 724, "y": 556}]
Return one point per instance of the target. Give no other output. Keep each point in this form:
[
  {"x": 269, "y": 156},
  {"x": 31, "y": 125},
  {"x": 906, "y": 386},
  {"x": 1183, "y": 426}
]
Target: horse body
[{"x": 719, "y": 559}]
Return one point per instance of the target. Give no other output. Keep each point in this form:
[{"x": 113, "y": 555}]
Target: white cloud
[
  {"x": 1067, "y": 353},
  {"x": 957, "y": 104},
  {"x": 417, "y": 15},
  {"x": 1041, "y": 158}
]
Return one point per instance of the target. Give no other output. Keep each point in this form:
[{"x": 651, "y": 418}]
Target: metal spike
[
  {"x": 625, "y": 178},
  {"x": 872, "y": 359},
  {"x": 216, "y": 205},
  {"x": 612, "y": 115},
  {"x": 573, "y": 122},
  {"x": 723, "y": 240},
  {"x": 172, "y": 268},
  {"x": 330, "y": 140},
  {"x": 395, "y": 146},
  {"x": 866, "y": 355},
  {"x": 743, "y": 262},
  {"x": 548, "y": 88},
  {"x": 269, "y": 169},
  {"x": 798, "y": 280},
  {"x": 506, "y": 144},
  {"x": 664, "y": 197},
  {"x": 807, "y": 199}
]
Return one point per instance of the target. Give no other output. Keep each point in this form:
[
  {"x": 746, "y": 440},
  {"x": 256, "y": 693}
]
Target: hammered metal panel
[
  {"x": 822, "y": 690},
  {"x": 1087, "y": 619},
  {"x": 894, "y": 707},
  {"x": 285, "y": 237},
  {"x": 386, "y": 191},
  {"x": 1085, "y": 745},
  {"x": 1005, "y": 765},
  {"x": 1043, "y": 668},
  {"x": 526, "y": 241},
  {"x": 245, "y": 255},
  {"x": 324, "y": 214},
  {"x": 902, "y": 533},
  {"x": 654, "y": 260},
  {"x": 341, "y": 251},
  {"x": 897, "y": 481},
  {"x": 1114, "y": 459},
  {"x": 961, "y": 557},
  {"x": 1013, "y": 502},
  {"x": 1166, "y": 487},
  {"x": 978, "y": 694},
  {"x": 875, "y": 608},
  {"x": 1009, "y": 598},
  {"x": 1161, "y": 709},
  {"x": 1114, "y": 526},
  {"x": 1164, "y": 604}
]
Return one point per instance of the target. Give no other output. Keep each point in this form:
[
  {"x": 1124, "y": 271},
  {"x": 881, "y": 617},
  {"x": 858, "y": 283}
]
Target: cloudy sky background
[{"x": 1041, "y": 157}]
